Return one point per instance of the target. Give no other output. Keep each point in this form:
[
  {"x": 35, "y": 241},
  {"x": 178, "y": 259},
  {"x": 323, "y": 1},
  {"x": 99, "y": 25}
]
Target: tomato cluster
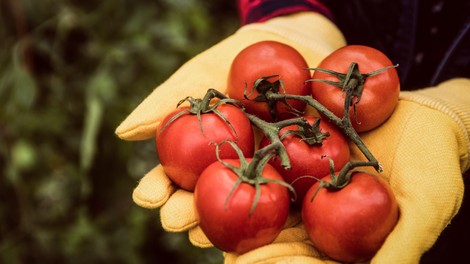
[{"x": 243, "y": 191}]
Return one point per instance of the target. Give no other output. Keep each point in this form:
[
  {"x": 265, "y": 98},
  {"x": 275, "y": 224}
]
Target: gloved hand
[
  {"x": 424, "y": 147},
  {"x": 313, "y": 35}
]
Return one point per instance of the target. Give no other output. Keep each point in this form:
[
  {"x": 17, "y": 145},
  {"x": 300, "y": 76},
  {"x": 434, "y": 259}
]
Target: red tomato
[
  {"x": 184, "y": 151},
  {"x": 380, "y": 94},
  {"x": 268, "y": 58},
  {"x": 229, "y": 226},
  {"x": 350, "y": 224},
  {"x": 310, "y": 160}
]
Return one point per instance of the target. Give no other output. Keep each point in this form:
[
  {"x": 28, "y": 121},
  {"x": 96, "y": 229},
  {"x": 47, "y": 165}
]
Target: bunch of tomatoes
[{"x": 245, "y": 185}]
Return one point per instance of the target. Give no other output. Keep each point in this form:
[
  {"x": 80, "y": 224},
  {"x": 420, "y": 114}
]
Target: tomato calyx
[
  {"x": 251, "y": 172},
  {"x": 264, "y": 87},
  {"x": 353, "y": 80},
  {"x": 198, "y": 106},
  {"x": 342, "y": 179},
  {"x": 310, "y": 134}
]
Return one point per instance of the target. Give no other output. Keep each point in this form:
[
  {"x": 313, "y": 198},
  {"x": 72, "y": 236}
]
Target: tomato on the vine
[
  {"x": 380, "y": 92},
  {"x": 278, "y": 61},
  {"x": 227, "y": 218},
  {"x": 186, "y": 146},
  {"x": 310, "y": 156},
  {"x": 352, "y": 223}
]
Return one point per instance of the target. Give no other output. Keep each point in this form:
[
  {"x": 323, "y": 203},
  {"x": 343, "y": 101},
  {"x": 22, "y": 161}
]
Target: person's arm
[{"x": 262, "y": 10}]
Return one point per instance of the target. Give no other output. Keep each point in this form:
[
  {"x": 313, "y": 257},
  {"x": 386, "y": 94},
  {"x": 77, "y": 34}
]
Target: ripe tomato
[
  {"x": 263, "y": 59},
  {"x": 184, "y": 151},
  {"x": 352, "y": 223},
  {"x": 310, "y": 160},
  {"x": 380, "y": 94},
  {"x": 228, "y": 223}
]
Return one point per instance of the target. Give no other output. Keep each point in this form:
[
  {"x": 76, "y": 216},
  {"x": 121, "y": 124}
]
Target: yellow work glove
[
  {"x": 313, "y": 35},
  {"x": 424, "y": 148}
]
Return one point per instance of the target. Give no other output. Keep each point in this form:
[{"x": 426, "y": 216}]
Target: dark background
[{"x": 70, "y": 72}]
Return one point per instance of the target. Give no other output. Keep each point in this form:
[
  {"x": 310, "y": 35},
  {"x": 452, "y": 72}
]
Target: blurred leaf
[
  {"x": 93, "y": 115},
  {"x": 18, "y": 88},
  {"x": 25, "y": 89},
  {"x": 79, "y": 233},
  {"x": 55, "y": 196},
  {"x": 99, "y": 91},
  {"x": 82, "y": 238},
  {"x": 23, "y": 155}
]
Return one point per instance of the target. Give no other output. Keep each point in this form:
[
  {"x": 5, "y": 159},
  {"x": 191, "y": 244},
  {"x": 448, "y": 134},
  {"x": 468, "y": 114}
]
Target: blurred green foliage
[{"x": 70, "y": 72}]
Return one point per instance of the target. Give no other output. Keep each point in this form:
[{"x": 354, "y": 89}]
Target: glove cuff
[{"x": 451, "y": 97}]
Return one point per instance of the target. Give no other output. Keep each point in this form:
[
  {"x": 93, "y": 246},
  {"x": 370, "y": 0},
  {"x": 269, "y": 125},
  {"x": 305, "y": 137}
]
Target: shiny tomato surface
[
  {"x": 351, "y": 224},
  {"x": 185, "y": 151},
  {"x": 380, "y": 94},
  {"x": 227, "y": 222},
  {"x": 310, "y": 162},
  {"x": 263, "y": 59}
]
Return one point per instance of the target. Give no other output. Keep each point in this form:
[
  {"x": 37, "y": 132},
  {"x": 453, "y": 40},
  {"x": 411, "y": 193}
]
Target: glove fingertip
[
  {"x": 178, "y": 213},
  {"x": 154, "y": 189},
  {"x": 198, "y": 238},
  {"x": 129, "y": 131}
]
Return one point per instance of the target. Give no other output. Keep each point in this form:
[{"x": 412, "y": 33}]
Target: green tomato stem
[
  {"x": 343, "y": 123},
  {"x": 271, "y": 131}
]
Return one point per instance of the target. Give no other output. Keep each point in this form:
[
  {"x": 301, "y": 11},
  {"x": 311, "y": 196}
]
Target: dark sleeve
[{"x": 252, "y": 11}]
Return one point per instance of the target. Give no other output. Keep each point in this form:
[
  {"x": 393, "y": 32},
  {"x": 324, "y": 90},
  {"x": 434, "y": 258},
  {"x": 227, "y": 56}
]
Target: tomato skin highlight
[
  {"x": 184, "y": 151},
  {"x": 267, "y": 58},
  {"x": 230, "y": 227},
  {"x": 380, "y": 94},
  {"x": 351, "y": 224},
  {"x": 310, "y": 160}
]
